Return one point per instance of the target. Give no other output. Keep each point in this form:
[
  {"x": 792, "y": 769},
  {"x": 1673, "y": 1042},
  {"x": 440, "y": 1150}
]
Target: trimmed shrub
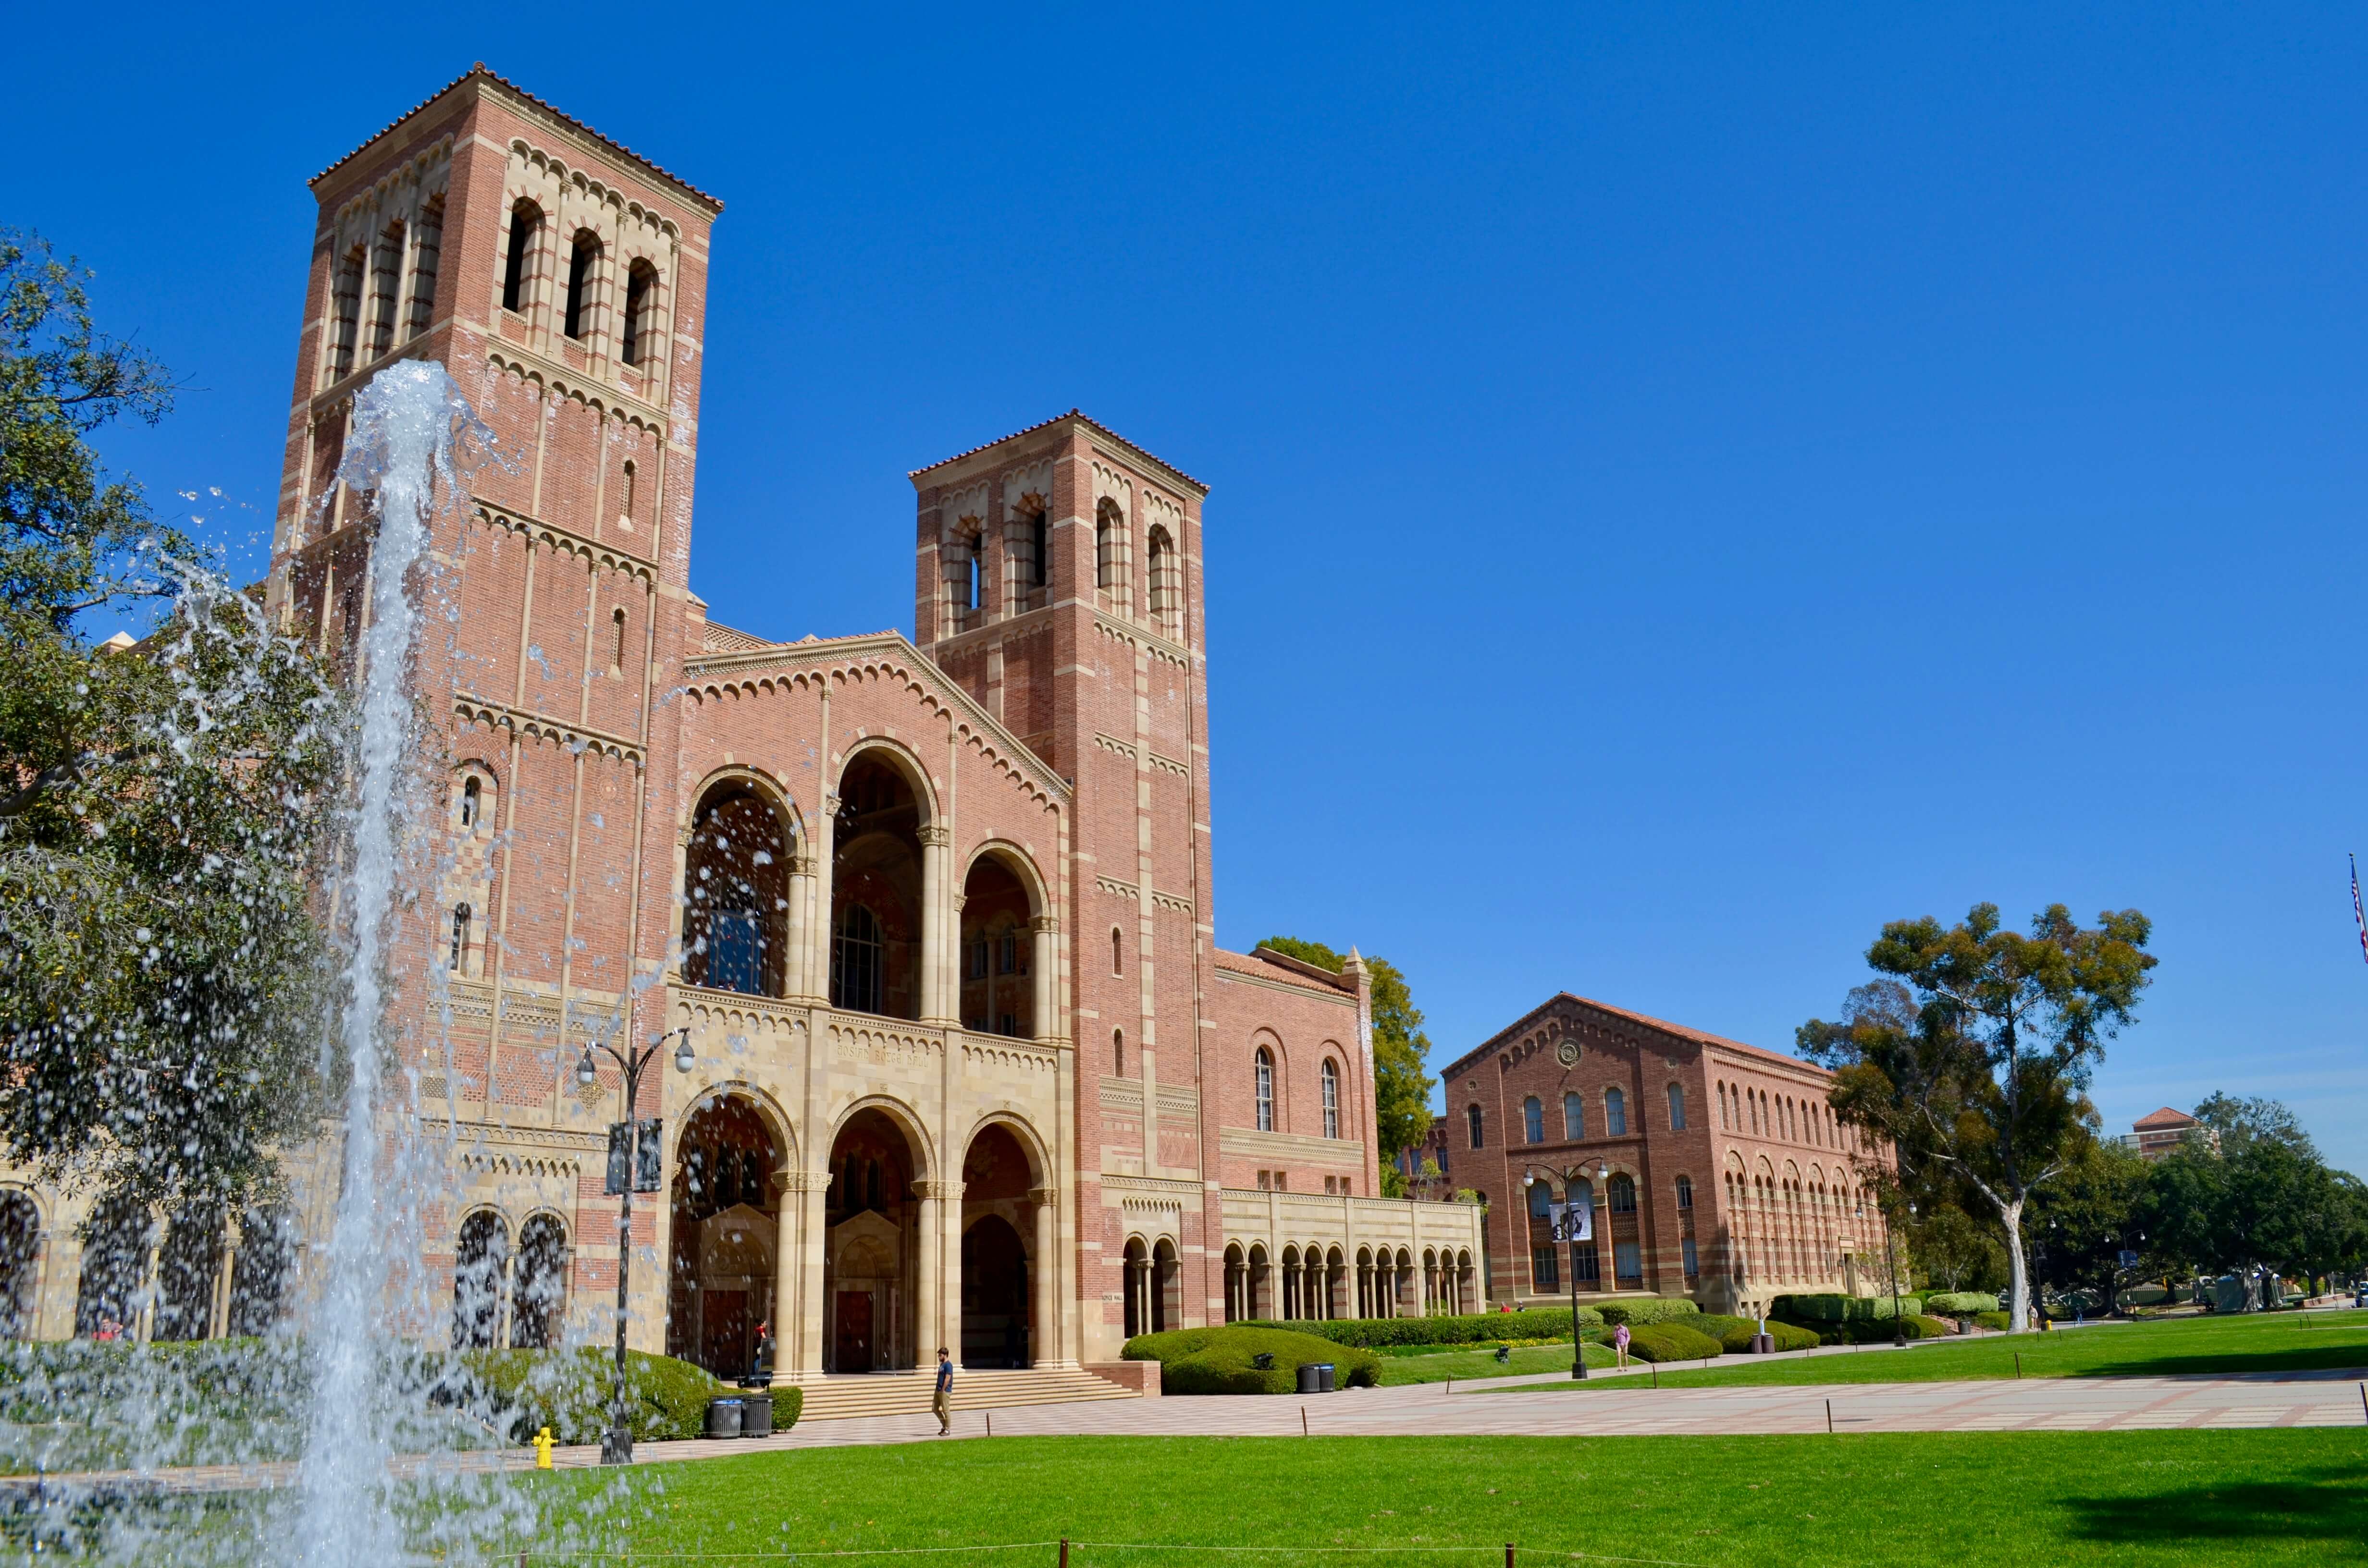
[
  {"x": 1471, "y": 1328},
  {"x": 1960, "y": 1303},
  {"x": 1920, "y": 1326},
  {"x": 1671, "y": 1342},
  {"x": 519, "y": 1391},
  {"x": 1820, "y": 1311},
  {"x": 1224, "y": 1360},
  {"x": 1655, "y": 1309},
  {"x": 1734, "y": 1334},
  {"x": 1990, "y": 1319}
]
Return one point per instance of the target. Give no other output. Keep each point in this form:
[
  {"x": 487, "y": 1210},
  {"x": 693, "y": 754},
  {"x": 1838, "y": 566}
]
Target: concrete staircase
[{"x": 907, "y": 1393}]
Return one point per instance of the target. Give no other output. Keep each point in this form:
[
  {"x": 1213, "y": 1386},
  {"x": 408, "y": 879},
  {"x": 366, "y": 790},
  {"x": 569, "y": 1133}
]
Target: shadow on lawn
[
  {"x": 2333, "y": 1359},
  {"x": 2329, "y": 1503}
]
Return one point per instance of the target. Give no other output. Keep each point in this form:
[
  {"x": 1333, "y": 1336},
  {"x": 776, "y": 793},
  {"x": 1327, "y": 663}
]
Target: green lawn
[
  {"x": 2269, "y": 1342},
  {"x": 1475, "y": 1364},
  {"x": 1967, "y": 1500}
]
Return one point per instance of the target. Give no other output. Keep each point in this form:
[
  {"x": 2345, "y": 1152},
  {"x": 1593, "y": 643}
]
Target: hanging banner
[{"x": 1573, "y": 1221}]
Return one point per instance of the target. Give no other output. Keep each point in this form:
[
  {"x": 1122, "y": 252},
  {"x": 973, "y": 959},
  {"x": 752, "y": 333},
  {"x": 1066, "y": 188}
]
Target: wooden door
[{"x": 852, "y": 1333}]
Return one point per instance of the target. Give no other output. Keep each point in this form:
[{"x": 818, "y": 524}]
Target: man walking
[{"x": 942, "y": 1405}]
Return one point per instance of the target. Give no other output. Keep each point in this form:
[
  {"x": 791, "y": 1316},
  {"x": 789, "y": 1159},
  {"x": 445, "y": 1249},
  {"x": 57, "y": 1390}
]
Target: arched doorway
[
  {"x": 736, "y": 894},
  {"x": 539, "y": 1285},
  {"x": 1166, "y": 1289},
  {"x": 875, "y": 893},
  {"x": 1237, "y": 1284},
  {"x": 1136, "y": 1264},
  {"x": 725, "y": 1226},
  {"x": 20, "y": 1264},
  {"x": 871, "y": 1254},
  {"x": 108, "y": 1294},
  {"x": 479, "y": 1262},
  {"x": 188, "y": 1268},
  {"x": 997, "y": 1328},
  {"x": 268, "y": 1240},
  {"x": 999, "y": 952}
]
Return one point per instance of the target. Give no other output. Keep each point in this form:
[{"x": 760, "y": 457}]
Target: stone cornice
[
  {"x": 501, "y": 715},
  {"x": 602, "y": 552}
]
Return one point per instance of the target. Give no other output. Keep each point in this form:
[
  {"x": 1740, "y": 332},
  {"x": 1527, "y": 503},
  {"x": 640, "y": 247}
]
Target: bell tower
[{"x": 1058, "y": 580}]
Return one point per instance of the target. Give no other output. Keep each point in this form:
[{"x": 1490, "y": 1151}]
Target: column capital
[
  {"x": 1044, "y": 924},
  {"x": 800, "y": 1181},
  {"x": 950, "y": 1190},
  {"x": 936, "y": 834},
  {"x": 1044, "y": 1196},
  {"x": 804, "y": 865}
]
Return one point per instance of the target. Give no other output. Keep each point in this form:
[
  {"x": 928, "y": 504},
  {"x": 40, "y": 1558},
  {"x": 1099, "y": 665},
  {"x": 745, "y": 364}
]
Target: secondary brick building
[
  {"x": 937, "y": 911},
  {"x": 1710, "y": 1168}
]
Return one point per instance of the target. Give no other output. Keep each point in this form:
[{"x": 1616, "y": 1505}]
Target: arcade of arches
[
  {"x": 1320, "y": 1281},
  {"x": 723, "y": 1238}
]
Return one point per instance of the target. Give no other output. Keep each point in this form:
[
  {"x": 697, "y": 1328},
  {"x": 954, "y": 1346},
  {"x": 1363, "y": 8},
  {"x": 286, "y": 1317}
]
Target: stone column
[
  {"x": 820, "y": 928},
  {"x": 789, "y": 1314},
  {"x": 227, "y": 1268},
  {"x": 1044, "y": 1348},
  {"x": 937, "y": 942},
  {"x": 798, "y": 977},
  {"x": 1045, "y": 960},
  {"x": 806, "y": 1352}
]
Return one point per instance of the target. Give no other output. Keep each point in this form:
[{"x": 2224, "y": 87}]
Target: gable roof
[
  {"x": 2166, "y": 1118},
  {"x": 1644, "y": 1021},
  {"x": 1090, "y": 423},
  {"x": 478, "y": 72}
]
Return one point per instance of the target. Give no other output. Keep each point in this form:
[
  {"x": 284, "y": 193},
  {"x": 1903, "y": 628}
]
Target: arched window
[
  {"x": 855, "y": 966},
  {"x": 526, "y": 226},
  {"x": 1685, "y": 1193},
  {"x": 1166, "y": 601},
  {"x": 1118, "y": 951},
  {"x": 632, "y": 477},
  {"x": 426, "y": 247},
  {"x": 1677, "y": 1107},
  {"x": 1472, "y": 1120},
  {"x": 345, "y": 301},
  {"x": 386, "y": 282},
  {"x": 1574, "y": 1115},
  {"x": 1265, "y": 1091},
  {"x": 1118, "y": 1052},
  {"x": 1040, "y": 548},
  {"x": 479, "y": 1263},
  {"x": 539, "y": 1292},
  {"x": 473, "y": 794},
  {"x": 1331, "y": 1078},
  {"x": 1109, "y": 547},
  {"x": 456, "y": 957},
  {"x": 640, "y": 297},
  {"x": 1615, "y": 1113},
  {"x": 1533, "y": 1120},
  {"x": 617, "y": 647},
  {"x": 1621, "y": 1192},
  {"x": 582, "y": 260},
  {"x": 1541, "y": 1201}
]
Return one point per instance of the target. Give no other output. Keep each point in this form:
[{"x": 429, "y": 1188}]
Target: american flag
[{"x": 2357, "y": 912}]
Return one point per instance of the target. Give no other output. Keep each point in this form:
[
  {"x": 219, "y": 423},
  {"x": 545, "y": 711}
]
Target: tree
[
  {"x": 2261, "y": 1198},
  {"x": 2236, "y": 1123},
  {"x": 2089, "y": 1215},
  {"x": 161, "y": 810},
  {"x": 1949, "y": 1246},
  {"x": 1401, "y": 1088},
  {"x": 1975, "y": 1055}
]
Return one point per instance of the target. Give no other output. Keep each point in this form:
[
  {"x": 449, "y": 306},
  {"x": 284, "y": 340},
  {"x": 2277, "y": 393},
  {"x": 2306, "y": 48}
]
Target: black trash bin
[
  {"x": 723, "y": 1417},
  {"x": 756, "y": 1414},
  {"x": 1324, "y": 1372},
  {"x": 1311, "y": 1378}
]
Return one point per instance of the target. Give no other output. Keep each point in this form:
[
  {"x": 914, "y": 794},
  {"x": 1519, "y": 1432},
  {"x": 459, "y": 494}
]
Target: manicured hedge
[
  {"x": 1960, "y": 1303},
  {"x": 1651, "y": 1310},
  {"x": 517, "y": 1393},
  {"x": 1471, "y": 1328},
  {"x": 1221, "y": 1360},
  {"x": 1818, "y": 1311},
  {"x": 1990, "y": 1319},
  {"x": 1734, "y": 1334},
  {"x": 1671, "y": 1342}
]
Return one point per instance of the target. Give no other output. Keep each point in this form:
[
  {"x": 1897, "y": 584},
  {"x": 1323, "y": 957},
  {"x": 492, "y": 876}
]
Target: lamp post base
[{"x": 617, "y": 1445}]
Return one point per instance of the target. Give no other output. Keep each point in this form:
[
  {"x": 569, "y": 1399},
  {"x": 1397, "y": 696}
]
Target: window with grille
[
  {"x": 1623, "y": 1194},
  {"x": 582, "y": 259},
  {"x": 855, "y": 962},
  {"x": 1543, "y": 1273},
  {"x": 1265, "y": 1086},
  {"x": 1331, "y": 1078},
  {"x": 1615, "y": 1113},
  {"x": 526, "y": 225},
  {"x": 1693, "y": 1267},
  {"x": 1627, "y": 1264},
  {"x": 1685, "y": 1193},
  {"x": 1472, "y": 1120},
  {"x": 1676, "y": 1108},
  {"x": 1574, "y": 1115},
  {"x": 1533, "y": 1120}
]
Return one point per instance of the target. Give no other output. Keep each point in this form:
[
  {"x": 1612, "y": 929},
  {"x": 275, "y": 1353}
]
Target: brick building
[
  {"x": 2158, "y": 1133},
  {"x": 935, "y": 912},
  {"x": 1710, "y": 1168}
]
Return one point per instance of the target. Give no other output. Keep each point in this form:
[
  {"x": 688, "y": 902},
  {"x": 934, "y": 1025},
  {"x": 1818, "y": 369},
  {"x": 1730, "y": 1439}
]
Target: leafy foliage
[
  {"x": 1651, "y": 1309},
  {"x": 1949, "y": 1247},
  {"x": 1971, "y": 1057},
  {"x": 160, "y": 809},
  {"x": 1401, "y": 1087},
  {"x": 1470, "y": 1328},
  {"x": 2261, "y": 1197},
  {"x": 1672, "y": 1342},
  {"x": 519, "y": 1391},
  {"x": 1224, "y": 1360}
]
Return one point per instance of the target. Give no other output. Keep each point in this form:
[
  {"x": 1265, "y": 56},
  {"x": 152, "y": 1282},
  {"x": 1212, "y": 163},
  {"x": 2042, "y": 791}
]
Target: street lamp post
[
  {"x": 1577, "y": 1173},
  {"x": 617, "y": 1446}
]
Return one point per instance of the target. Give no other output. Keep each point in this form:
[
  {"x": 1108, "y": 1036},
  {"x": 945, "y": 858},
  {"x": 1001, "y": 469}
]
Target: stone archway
[
  {"x": 871, "y": 1254},
  {"x": 998, "y": 1211},
  {"x": 725, "y": 1226}
]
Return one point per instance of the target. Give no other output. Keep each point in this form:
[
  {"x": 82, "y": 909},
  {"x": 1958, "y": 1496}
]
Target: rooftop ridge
[{"x": 1088, "y": 419}]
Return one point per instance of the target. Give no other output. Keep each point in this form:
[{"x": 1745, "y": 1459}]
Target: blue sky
[{"x": 1689, "y": 486}]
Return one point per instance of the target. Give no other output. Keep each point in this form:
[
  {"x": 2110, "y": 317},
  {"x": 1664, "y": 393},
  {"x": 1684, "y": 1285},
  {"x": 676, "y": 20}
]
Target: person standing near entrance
[{"x": 942, "y": 1404}]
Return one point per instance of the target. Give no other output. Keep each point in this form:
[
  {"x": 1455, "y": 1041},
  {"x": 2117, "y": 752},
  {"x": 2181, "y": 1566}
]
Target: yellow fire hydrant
[{"x": 543, "y": 1443}]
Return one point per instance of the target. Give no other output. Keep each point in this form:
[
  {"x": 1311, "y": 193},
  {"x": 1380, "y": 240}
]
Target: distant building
[{"x": 2156, "y": 1135}]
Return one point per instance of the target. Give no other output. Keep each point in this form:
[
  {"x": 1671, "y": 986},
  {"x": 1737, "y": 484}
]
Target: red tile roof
[
  {"x": 1046, "y": 424},
  {"x": 1699, "y": 1037},
  {"x": 1242, "y": 963},
  {"x": 2167, "y": 1117},
  {"x": 506, "y": 85}
]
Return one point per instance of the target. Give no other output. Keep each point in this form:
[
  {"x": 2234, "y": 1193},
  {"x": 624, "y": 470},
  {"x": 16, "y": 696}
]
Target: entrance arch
[
  {"x": 1004, "y": 1303},
  {"x": 994, "y": 1295},
  {"x": 20, "y": 1264},
  {"x": 999, "y": 951},
  {"x": 479, "y": 1264},
  {"x": 736, "y": 893},
  {"x": 871, "y": 1254},
  {"x": 876, "y": 877},
  {"x": 726, "y": 1222}
]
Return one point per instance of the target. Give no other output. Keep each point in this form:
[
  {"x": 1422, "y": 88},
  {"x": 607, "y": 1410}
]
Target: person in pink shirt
[{"x": 1620, "y": 1343}]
